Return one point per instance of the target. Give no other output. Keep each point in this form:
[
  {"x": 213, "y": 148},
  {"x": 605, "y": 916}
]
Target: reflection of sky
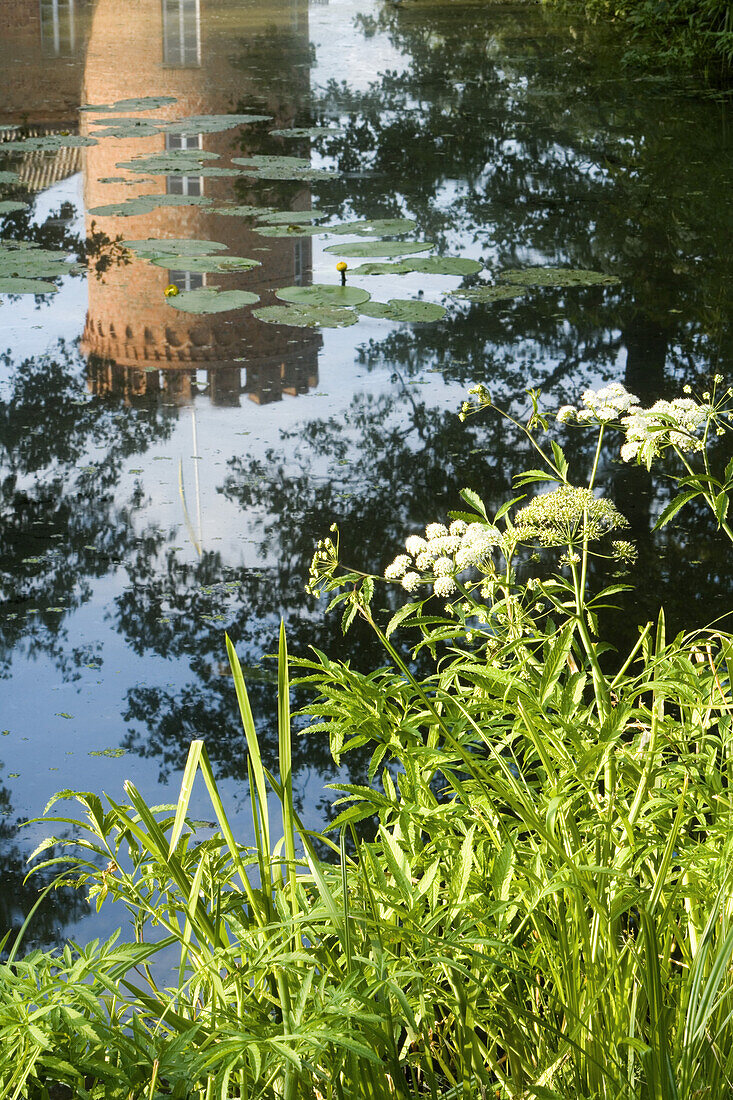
[
  {"x": 28, "y": 326},
  {"x": 347, "y": 54}
]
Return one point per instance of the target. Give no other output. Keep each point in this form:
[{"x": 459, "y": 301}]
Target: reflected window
[
  {"x": 183, "y": 185},
  {"x": 299, "y": 264},
  {"x": 181, "y": 33},
  {"x": 187, "y": 280},
  {"x": 58, "y": 28}
]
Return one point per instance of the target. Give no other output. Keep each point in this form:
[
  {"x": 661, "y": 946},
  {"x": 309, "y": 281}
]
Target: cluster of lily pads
[
  {"x": 23, "y": 266},
  {"x": 26, "y": 268}
]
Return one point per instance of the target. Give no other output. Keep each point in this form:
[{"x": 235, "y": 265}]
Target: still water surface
[{"x": 165, "y": 474}]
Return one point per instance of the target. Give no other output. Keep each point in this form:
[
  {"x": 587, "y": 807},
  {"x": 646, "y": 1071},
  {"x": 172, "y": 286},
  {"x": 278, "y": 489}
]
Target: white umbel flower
[
  {"x": 415, "y": 544},
  {"x": 444, "y": 567},
  {"x": 435, "y": 531},
  {"x": 444, "y": 586},
  {"x": 411, "y": 581},
  {"x": 398, "y": 567}
]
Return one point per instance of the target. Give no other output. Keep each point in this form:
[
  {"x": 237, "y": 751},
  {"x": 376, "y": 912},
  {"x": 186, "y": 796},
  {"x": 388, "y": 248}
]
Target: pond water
[{"x": 166, "y": 473}]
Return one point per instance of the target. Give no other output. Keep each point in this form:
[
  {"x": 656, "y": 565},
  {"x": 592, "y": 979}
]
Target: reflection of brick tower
[
  {"x": 188, "y": 49},
  {"x": 42, "y": 60}
]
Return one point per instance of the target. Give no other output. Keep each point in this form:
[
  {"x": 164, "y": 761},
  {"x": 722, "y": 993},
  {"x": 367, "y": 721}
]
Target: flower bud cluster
[
  {"x": 437, "y": 558},
  {"x": 567, "y": 515}
]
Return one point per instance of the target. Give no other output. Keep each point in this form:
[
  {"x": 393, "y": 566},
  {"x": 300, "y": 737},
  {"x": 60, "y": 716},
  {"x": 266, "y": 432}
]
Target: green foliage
[
  {"x": 697, "y": 33},
  {"x": 544, "y": 907}
]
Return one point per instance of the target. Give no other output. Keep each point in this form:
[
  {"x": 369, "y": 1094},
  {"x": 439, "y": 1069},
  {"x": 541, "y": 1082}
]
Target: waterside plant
[{"x": 542, "y": 904}]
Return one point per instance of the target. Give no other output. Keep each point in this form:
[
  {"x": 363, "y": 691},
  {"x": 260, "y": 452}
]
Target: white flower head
[
  {"x": 415, "y": 544},
  {"x": 411, "y": 581},
  {"x": 607, "y": 404},
  {"x": 457, "y": 527},
  {"x": 444, "y": 586},
  {"x": 566, "y": 413},
  {"x": 435, "y": 531},
  {"x": 444, "y": 567},
  {"x": 398, "y": 567}
]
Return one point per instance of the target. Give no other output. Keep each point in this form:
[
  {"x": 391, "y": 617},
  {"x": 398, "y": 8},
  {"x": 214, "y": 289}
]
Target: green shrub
[{"x": 545, "y": 907}]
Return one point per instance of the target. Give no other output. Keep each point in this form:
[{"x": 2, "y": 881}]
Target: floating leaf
[
  {"x": 428, "y": 265},
  {"x": 307, "y": 316},
  {"x": 142, "y": 103},
  {"x": 22, "y": 262},
  {"x": 50, "y": 142},
  {"x": 283, "y": 168},
  {"x": 307, "y": 131},
  {"x": 209, "y": 124},
  {"x": 289, "y": 230},
  {"x": 9, "y": 177},
  {"x": 290, "y": 217},
  {"x": 126, "y": 127},
  {"x": 242, "y": 211},
  {"x": 387, "y": 227},
  {"x": 404, "y": 309},
  {"x": 272, "y": 162},
  {"x": 177, "y": 246},
  {"x": 323, "y": 294},
  {"x": 144, "y": 204},
  {"x": 180, "y": 162},
  {"x": 208, "y": 299},
  {"x": 489, "y": 293},
  {"x": 9, "y": 285},
  {"x": 10, "y": 206},
  {"x": 557, "y": 276},
  {"x": 219, "y": 264},
  {"x": 380, "y": 248}
]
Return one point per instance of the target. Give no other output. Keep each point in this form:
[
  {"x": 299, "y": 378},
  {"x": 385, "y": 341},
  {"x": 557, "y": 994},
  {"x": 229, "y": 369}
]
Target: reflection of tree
[
  {"x": 495, "y": 133},
  {"x": 17, "y": 896},
  {"x": 61, "y": 527}
]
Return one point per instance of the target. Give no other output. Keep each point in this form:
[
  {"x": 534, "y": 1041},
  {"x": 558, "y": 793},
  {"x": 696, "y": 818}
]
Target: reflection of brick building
[
  {"x": 134, "y": 339},
  {"x": 42, "y": 61}
]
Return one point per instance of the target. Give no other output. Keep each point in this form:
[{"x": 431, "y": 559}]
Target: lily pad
[
  {"x": 386, "y": 227},
  {"x": 308, "y": 131},
  {"x": 489, "y": 293},
  {"x": 144, "y": 204},
  {"x": 175, "y": 246},
  {"x": 404, "y": 309},
  {"x": 307, "y": 316},
  {"x": 219, "y": 264},
  {"x": 290, "y": 217},
  {"x": 380, "y": 248},
  {"x": 9, "y": 206},
  {"x": 557, "y": 276},
  {"x": 272, "y": 162},
  {"x": 10, "y": 285},
  {"x": 177, "y": 163},
  {"x": 51, "y": 142},
  {"x": 428, "y": 265},
  {"x": 242, "y": 211},
  {"x": 303, "y": 175},
  {"x": 283, "y": 168},
  {"x": 126, "y": 127},
  {"x": 289, "y": 230},
  {"x": 9, "y": 177},
  {"x": 142, "y": 103},
  {"x": 208, "y": 299},
  {"x": 209, "y": 124},
  {"x": 323, "y": 294},
  {"x": 23, "y": 264}
]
